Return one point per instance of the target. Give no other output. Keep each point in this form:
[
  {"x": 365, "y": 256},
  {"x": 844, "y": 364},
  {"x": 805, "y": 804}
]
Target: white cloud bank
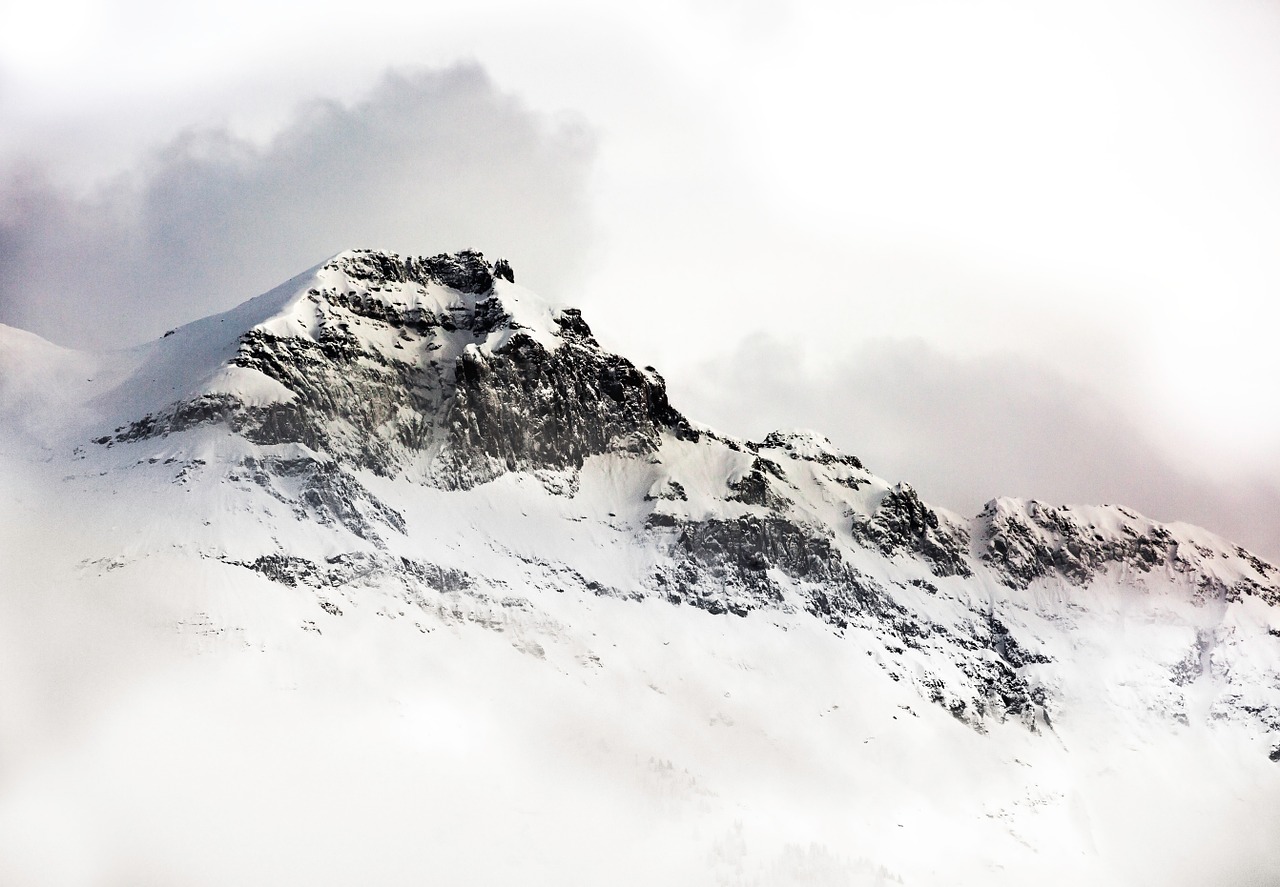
[{"x": 434, "y": 160}]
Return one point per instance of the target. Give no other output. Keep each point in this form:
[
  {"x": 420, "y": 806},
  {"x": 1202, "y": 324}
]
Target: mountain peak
[
  {"x": 466, "y": 271},
  {"x": 803, "y": 443},
  {"x": 439, "y": 367}
]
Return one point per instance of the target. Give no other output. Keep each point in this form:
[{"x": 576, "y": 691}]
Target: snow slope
[{"x": 393, "y": 575}]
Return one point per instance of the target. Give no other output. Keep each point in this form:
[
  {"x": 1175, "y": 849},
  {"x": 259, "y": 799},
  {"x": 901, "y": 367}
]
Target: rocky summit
[{"x": 405, "y": 448}]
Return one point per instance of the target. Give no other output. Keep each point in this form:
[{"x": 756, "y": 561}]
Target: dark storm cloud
[
  {"x": 963, "y": 431},
  {"x": 427, "y": 162}
]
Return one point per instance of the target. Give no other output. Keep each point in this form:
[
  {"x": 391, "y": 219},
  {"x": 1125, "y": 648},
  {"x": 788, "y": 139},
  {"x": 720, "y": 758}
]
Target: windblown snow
[{"x": 393, "y": 575}]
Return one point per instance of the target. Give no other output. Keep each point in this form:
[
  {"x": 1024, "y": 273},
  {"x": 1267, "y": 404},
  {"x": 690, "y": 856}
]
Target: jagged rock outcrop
[
  {"x": 526, "y": 407},
  {"x": 759, "y": 484},
  {"x": 353, "y": 568},
  {"x": 467, "y": 271},
  {"x": 724, "y": 566},
  {"x": 324, "y": 492},
  {"x": 1026, "y": 541},
  {"x": 902, "y": 523},
  {"x": 809, "y": 447}
]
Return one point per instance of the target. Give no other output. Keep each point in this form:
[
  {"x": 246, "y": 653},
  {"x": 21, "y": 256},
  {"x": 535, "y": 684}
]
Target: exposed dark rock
[
  {"x": 756, "y": 488},
  {"x": 326, "y": 493},
  {"x": 351, "y": 404},
  {"x": 995, "y": 687},
  {"x": 1046, "y": 541},
  {"x": 670, "y": 490},
  {"x": 466, "y": 271},
  {"x": 723, "y": 566},
  {"x": 329, "y": 490},
  {"x": 284, "y": 569},
  {"x": 795, "y": 445},
  {"x": 902, "y": 523},
  {"x": 1027, "y": 543},
  {"x": 1006, "y": 646},
  {"x": 356, "y": 568},
  {"x": 525, "y": 407},
  {"x": 573, "y": 327}
]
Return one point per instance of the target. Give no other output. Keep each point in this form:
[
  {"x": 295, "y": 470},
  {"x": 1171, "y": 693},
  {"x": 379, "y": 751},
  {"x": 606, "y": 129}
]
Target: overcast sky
[{"x": 992, "y": 247}]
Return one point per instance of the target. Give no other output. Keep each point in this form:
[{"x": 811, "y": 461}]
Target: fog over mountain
[
  {"x": 424, "y": 156},
  {"x": 900, "y": 506},
  {"x": 395, "y": 571}
]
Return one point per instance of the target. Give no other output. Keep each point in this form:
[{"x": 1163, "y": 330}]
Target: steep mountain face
[
  {"x": 420, "y": 366},
  {"x": 425, "y": 440}
]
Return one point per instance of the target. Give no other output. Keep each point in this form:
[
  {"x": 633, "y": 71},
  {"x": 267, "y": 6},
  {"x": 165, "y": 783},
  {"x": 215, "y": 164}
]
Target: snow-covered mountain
[{"x": 592, "y": 640}]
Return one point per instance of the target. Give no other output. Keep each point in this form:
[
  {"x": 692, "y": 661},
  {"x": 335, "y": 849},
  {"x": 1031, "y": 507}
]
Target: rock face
[
  {"x": 466, "y": 272},
  {"x": 1026, "y": 541},
  {"x": 526, "y": 407},
  {"x": 902, "y": 523},
  {"x": 462, "y": 384},
  {"x": 380, "y": 380},
  {"x": 724, "y": 566}
]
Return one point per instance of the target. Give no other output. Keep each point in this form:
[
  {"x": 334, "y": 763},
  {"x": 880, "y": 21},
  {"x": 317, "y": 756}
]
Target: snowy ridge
[
  {"x": 440, "y": 372},
  {"x": 403, "y": 366},
  {"x": 420, "y": 449}
]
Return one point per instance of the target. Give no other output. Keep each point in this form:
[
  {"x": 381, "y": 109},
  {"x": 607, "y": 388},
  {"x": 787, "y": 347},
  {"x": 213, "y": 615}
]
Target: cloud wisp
[{"x": 427, "y": 161}]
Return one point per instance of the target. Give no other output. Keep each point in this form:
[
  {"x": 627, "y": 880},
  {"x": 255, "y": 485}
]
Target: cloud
[
  {"x": 427, "y": 162},
  {"x": 965, "y": 430}
]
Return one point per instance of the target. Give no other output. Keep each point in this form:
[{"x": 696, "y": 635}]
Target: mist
[
  {"x": 435, "y": 160},
  {"x": 964, "y": 430}
]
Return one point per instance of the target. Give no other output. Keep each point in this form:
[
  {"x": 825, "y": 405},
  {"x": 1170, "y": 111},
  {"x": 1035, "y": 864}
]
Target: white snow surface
[{"x": 169, "y": 716}]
